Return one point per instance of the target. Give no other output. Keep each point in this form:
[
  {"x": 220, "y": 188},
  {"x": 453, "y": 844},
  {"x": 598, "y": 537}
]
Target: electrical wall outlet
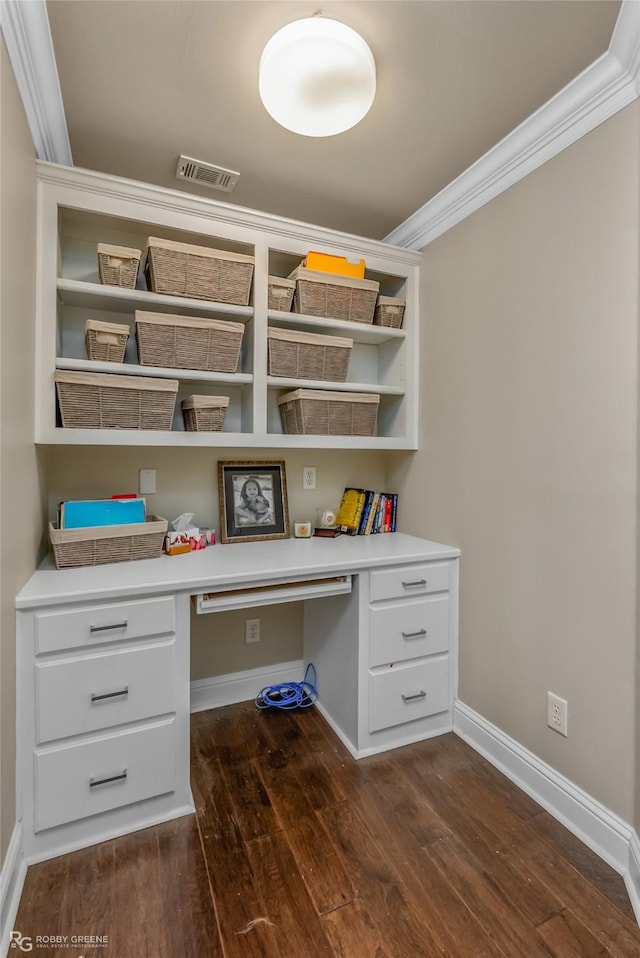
[
  {"x": 557, "y": 709},
  {"x": 308, "y": 477},
  {"x": 252, "y": 631}
]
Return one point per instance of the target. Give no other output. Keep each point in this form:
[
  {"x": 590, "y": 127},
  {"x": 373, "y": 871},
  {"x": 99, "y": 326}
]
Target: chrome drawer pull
[
  {"x": 406, "y": 585},
  {"x": 108, "y": 628},
  {"x": 105, "y": 781},
  {"x": 100, "y": 696},
  {"x": 419, "y": 695},
  {"x": 414, "y": 635}
]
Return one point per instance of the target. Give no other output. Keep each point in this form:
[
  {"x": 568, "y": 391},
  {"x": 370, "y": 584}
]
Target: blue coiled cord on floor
[{"x": 290, "y": 695}]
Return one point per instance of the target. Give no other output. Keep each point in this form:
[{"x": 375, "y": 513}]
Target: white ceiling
[{"x": 145, "y": 80}]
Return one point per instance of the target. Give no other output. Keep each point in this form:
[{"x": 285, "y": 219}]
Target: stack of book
[{"x": 365, "y": 512}]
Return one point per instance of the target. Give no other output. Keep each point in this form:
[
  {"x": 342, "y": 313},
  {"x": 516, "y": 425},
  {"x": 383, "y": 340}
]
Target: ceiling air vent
[{"x": 206, "y": 174}]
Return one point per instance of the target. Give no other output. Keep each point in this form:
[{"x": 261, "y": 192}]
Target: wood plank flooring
[{"x": 298, "y": 851}]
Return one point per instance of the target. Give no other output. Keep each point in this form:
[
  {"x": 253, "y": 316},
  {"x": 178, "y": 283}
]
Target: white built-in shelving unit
[{"x": 79, "y": 209}]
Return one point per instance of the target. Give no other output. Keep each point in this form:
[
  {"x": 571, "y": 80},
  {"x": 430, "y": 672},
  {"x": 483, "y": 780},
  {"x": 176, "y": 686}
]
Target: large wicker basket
[
  {"x": 314, "y": 412},
  {"x": 188, "y": 342},
  {"x": 105, "y": 341},
  {"x": 97, "y": 545},
  {"x": 178, "y": 269},
  {"x": 204, "y": 413},
  {"x": 105, "y": 401},
  {"x": 334, "y": 297},
  {"x": 299, "y": 355},
  {"x": 280, "y": 293},
  {"x": 389, "y": 312},
  {"x": 118, "y": 265}
]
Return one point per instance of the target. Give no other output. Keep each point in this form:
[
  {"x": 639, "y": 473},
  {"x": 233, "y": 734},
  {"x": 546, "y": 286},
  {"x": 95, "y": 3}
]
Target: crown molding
[
  {"x": 600, "y": 91},
  {"x": 25, "y": 27}
]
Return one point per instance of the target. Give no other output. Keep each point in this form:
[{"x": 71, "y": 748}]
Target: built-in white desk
[{"x": 103, "y": 668}]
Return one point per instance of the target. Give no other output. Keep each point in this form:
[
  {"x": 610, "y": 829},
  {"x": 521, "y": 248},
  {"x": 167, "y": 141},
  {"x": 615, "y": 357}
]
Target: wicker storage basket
[
  {"x": 198, "y": 272},
  {"x": 118, "y": 265},
  {"x": 105, "y": 401},
  {"x": 389, "y": 312},
  {"x": 334, "y": 297},
  {"x": 300, "y": 355},
  {"x": 188, "y": 342},
  {"x": 106, "y": 341},
  {"x": 204, "y": 413},
  {"x": 314, "y": 412},
  {"x": 97, "y": 545},
  {"x": 281, "y": 293}
]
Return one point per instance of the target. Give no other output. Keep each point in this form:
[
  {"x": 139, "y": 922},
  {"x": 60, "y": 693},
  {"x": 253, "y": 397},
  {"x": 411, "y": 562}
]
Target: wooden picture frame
[{"x": 253, "y": 501}]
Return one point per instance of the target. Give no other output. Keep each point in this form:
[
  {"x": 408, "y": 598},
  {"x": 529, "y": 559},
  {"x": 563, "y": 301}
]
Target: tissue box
[{"x": 189, "y": 540}]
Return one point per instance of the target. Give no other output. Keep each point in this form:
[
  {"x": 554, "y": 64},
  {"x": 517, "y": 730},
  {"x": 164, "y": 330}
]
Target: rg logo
[{"x": 23, "y": 942}]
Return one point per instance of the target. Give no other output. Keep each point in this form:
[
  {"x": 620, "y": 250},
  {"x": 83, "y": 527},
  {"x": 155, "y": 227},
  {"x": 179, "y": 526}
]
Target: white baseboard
[
  {"x": 613, "y": 839},
  {"x": 241, "y": 686},
  {"x": 12, "y": 877},
  {"x": 632, "y": 878}
]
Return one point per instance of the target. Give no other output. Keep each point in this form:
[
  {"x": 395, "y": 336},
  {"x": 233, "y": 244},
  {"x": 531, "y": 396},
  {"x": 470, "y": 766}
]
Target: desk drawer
[
  {"x": 409, "y": 629},
  {"x": 95, "y": 624},
  {"x": 104, "y": 689},
  {"x": 406, "y": 693},
  {"x": 409, "y": 581},
  {"x": 124, "y": 768}
]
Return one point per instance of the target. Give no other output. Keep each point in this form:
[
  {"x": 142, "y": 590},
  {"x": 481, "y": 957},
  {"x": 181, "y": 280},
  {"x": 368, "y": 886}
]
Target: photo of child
[{"x": 252, "y": 505}]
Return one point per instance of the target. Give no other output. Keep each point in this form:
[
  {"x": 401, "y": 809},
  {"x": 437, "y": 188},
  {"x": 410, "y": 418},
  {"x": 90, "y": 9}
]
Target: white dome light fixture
[{"x": 317, "y": 77}]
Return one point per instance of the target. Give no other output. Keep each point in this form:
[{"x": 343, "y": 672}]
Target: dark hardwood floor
[{"x": 297, "y": 850}]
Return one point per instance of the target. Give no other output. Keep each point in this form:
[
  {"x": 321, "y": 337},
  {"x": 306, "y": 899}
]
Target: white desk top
[{"x": 226, "y": 566}]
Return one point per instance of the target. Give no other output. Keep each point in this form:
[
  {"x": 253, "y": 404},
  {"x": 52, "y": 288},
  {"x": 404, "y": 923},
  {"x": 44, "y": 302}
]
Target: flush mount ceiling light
[{"x": 317, "y": 77}]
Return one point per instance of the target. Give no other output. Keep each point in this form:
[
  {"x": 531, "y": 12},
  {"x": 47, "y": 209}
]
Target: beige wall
[
  {"x": 20, "y": 496},
  {"x": 187, "y": 481},
  {"x": 528, "y": 452}
]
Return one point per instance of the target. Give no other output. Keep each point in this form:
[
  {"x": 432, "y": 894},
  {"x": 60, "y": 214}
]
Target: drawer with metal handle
[
  {"x": 103, "y": 689},
  {"x": 89, "y": 777},
  {"x": 405, "y": 693},
  {"x": 409, "y": 581},
  {"x": 90, "y": 625},
  {"x": 409, "y": 630}
]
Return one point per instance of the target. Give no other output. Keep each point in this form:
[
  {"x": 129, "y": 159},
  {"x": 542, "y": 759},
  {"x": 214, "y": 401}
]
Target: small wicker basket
[
  {"x": 97, "y": 545},
  {"x": 178, "y": 269},
  {"x": 106, "y": 401},
  {"x": 314, "y": 412},
  {"x": 188, "y": 342},
  {"x": 334, "y": 297},
  {"x": 105, "y": 341},
  {"x": 299, "y": 355},
  {"x": 280, "y": 293},
  {"x": 118, "y": 265},
  {"x": 389, "y": 312},
  {"x": 204, "y": 413}
]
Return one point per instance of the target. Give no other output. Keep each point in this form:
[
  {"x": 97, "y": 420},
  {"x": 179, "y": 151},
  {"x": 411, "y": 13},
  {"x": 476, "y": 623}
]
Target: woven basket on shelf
[
  {"x": 188, "y": 342},
  {"x": 389, "y": 312},
  {"x": 204, "y": 413},
  {"x": 299, "y": 355},
  {"x": 107, "y": 401},
  {"x": 280, "y": 293},
  {"x": 98, "y": 545},
  {"x": 118, "y": 265},
  {"x": 314, "y": 412},
  {"x": 334, "y": 297},
  {"x": 105, "y": 341},
  {"x": 178, "y": 269}
]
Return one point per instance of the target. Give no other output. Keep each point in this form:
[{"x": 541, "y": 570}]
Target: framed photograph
[{"x": 253, "y": 501}]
